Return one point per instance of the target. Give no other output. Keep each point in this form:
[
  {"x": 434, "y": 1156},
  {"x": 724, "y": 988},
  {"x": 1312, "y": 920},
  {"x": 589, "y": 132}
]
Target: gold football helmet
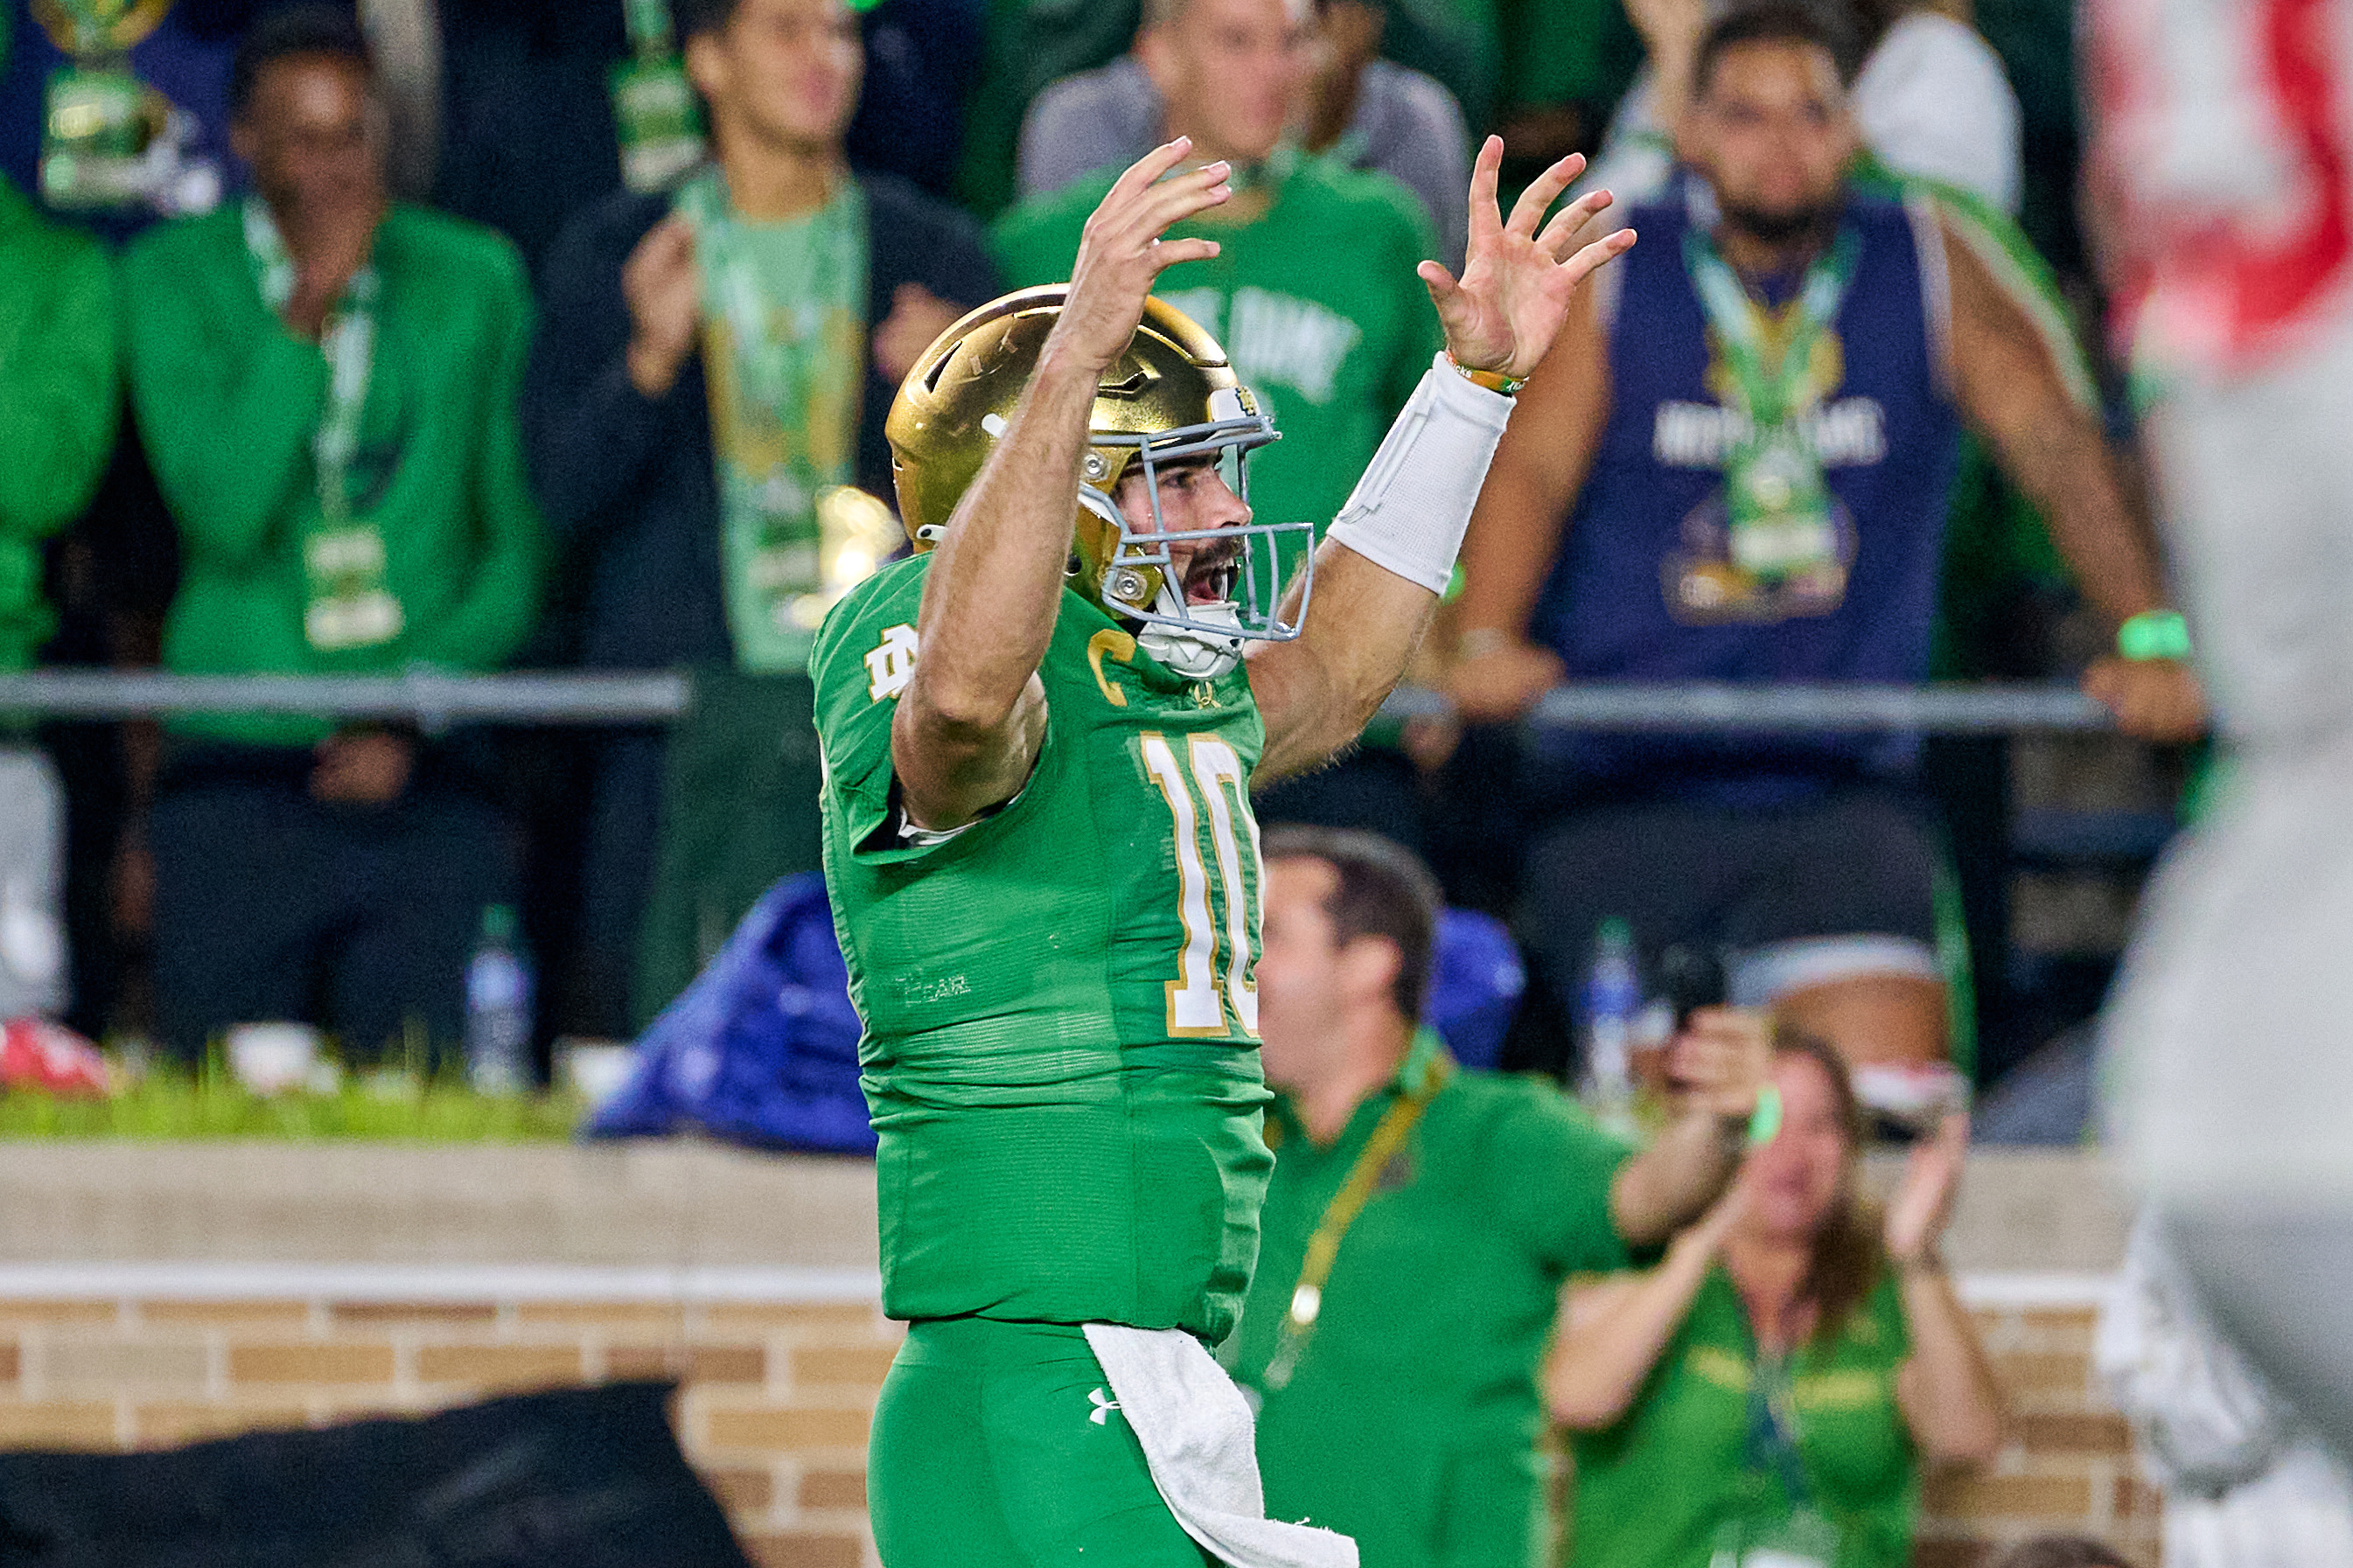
[{"x": 1170, "y": 398}]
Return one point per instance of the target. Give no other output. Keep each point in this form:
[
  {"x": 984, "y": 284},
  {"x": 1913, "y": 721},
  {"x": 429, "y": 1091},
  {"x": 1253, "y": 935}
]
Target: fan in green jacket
[
  {"x": 349, "y": 489},
  {"x": 327, "y": 387}
]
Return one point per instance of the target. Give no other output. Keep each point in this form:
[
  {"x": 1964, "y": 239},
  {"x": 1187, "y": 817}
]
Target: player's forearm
[
  {"x": 1317, "y": 694},
  {"x": 1949, "y": 1398},
  {"x": 1671, "y": 1182},
  {"x": 996, "y": 584}
]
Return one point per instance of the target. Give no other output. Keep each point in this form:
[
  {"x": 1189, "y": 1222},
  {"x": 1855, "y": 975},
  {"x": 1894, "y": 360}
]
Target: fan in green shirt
[
  {"x": 1769, "y": 1391},
  {"x": 1421, "y": 1220}
]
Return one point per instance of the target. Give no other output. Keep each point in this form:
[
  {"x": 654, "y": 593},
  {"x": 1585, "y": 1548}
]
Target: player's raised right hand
[{"x": 1121, "y": 253}]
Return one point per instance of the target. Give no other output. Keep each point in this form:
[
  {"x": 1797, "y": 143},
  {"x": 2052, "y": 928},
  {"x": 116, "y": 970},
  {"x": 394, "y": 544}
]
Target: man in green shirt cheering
[
  {"x": 1421, "y": 1220},
  {"x": 326, "y": 384}
]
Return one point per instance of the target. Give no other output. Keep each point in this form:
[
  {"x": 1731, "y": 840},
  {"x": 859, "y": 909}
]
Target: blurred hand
[
  {"x": 917, "y": 318},
  {"x": 2155, "y": 700},
  {"x": 364, "y": 767},
  {"x": 1720, "y": 1061},
  {"x": 1668, "y": 27},
  {"x": 664, "y": 290},
  {"x": 1501, "y": 684},
  {"x": 328, "y": 241},
  {"x": 1923, "y": 1204},
  {"x": 1121, "y": 253},
  {"x": 1517, "y": 283}
]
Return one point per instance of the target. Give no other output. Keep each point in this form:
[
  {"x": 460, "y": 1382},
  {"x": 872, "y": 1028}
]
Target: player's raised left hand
[{"x": 1514, "y": 294}]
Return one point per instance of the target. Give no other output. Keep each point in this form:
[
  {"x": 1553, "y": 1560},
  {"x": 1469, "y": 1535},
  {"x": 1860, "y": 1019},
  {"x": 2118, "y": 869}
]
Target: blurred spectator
[
  {"x": 1775, "y": 1383},
  {"x": 59, "y": 394},
  {"x": 774, "y": 304},
  {"x": 327, "y": 384},
  {"x": 1032, "y": 44},
  {"x": 1368, "y": 113},
  {"x": 1930, "y": 98},
  {"x": 1313, "y": 294},
  {"x": 2247, "y": 1481},
  {"x": 1422, "y": 1218},
  {"x": 1750, "y": 434}
]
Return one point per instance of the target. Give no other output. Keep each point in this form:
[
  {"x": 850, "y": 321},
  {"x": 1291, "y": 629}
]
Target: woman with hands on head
[{"x": 1773, "y": 1385}]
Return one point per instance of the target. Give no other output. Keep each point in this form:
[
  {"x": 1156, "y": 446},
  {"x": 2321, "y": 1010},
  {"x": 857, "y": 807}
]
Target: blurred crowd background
[{"x": 419, "y": 335}]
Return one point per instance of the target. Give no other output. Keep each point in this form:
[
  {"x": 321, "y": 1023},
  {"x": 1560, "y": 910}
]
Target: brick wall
[{"x": 777, "y": 1394}]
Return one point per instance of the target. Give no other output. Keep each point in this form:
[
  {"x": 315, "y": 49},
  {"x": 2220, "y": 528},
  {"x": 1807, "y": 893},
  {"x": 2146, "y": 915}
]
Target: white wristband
[{"x": 1408, "y": 513}]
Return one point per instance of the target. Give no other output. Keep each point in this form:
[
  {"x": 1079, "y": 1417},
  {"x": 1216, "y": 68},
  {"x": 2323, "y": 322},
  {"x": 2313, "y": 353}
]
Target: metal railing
[{"x": 435, "y": 702}]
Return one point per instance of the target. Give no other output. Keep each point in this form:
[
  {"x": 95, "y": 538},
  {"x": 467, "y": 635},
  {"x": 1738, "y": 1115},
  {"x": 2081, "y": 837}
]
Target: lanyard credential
[
  {"x": 1396, "y": 1124},
  {"x": 1798, "y": 1535},
  {"x": 350, "y": 603},
  {"x": 1778, "y": 500}
]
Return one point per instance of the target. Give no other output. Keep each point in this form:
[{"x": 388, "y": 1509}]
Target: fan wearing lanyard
[
  {"x": 1787, "y": 1531},
  {"x": 348, "y": 601}
]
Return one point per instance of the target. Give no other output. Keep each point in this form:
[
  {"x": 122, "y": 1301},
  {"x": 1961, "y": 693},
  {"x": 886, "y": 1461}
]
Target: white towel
[{"x": 1199, "y": 1439}]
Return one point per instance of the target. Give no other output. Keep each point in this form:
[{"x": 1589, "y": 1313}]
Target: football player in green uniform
[{"x": 1041, "y": 733}]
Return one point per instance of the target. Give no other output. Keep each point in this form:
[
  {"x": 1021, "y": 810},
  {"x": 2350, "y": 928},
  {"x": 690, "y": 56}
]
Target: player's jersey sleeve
[{"x": 865, "y": 655}]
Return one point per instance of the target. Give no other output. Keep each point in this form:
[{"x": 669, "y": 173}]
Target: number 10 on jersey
[{"x": 1214, "y": 783}]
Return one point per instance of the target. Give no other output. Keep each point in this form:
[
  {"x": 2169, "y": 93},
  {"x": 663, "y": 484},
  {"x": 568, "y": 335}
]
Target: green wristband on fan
[
  {"x": 2154, "y": 634},
  {"x": 1765, "y": 1122}
]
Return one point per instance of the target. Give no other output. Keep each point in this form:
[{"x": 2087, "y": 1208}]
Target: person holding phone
[{"x": 1773, "y": 1384}]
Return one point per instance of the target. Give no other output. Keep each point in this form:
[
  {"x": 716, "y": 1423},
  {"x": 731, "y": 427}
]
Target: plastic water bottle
[
  {"x": 1613, "y": 1003},
  {"x": 498, "y": 1007}
]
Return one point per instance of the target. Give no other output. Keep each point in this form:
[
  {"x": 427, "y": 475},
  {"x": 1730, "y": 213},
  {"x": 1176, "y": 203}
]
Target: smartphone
[{"x": 1691, "y": 977}]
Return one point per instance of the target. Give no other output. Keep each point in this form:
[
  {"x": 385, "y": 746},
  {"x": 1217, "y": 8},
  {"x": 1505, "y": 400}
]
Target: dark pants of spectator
[
  {"x": 1857, "y": 862},
  {"x": 273, "y": 905},
  {"x": 617, "y": 878}
]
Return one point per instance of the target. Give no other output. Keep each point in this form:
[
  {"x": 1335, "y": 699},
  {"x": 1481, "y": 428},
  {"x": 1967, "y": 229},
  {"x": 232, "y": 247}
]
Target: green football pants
[{"x": 999, "y": 1446}]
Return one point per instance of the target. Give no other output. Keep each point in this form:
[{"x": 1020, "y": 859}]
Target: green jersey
[
  {"x": 1061, "y": 1007},
  {"x": 1653, "y": 1490},
  {"x": 1410, "y": 1422},
  {"x": 1316, "y": 302}
]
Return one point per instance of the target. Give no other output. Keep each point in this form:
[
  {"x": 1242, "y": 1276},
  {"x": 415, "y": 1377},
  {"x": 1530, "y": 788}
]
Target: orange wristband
[{"x": 1493, "y": 380}]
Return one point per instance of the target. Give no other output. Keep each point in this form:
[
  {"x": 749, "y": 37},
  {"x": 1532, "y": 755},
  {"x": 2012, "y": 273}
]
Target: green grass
[{"x": 166, "y": 1106}]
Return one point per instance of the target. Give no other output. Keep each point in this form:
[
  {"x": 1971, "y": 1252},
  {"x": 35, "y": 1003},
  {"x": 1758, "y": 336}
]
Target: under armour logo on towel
[{"x": 1104, "y": 1404}]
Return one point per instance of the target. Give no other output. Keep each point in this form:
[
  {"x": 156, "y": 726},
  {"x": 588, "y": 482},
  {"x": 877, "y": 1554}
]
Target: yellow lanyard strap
[{"x": 1396, "y": 1124}]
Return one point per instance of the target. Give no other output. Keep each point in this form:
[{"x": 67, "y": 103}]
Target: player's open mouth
[{"x": 1210, "y": 577}]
